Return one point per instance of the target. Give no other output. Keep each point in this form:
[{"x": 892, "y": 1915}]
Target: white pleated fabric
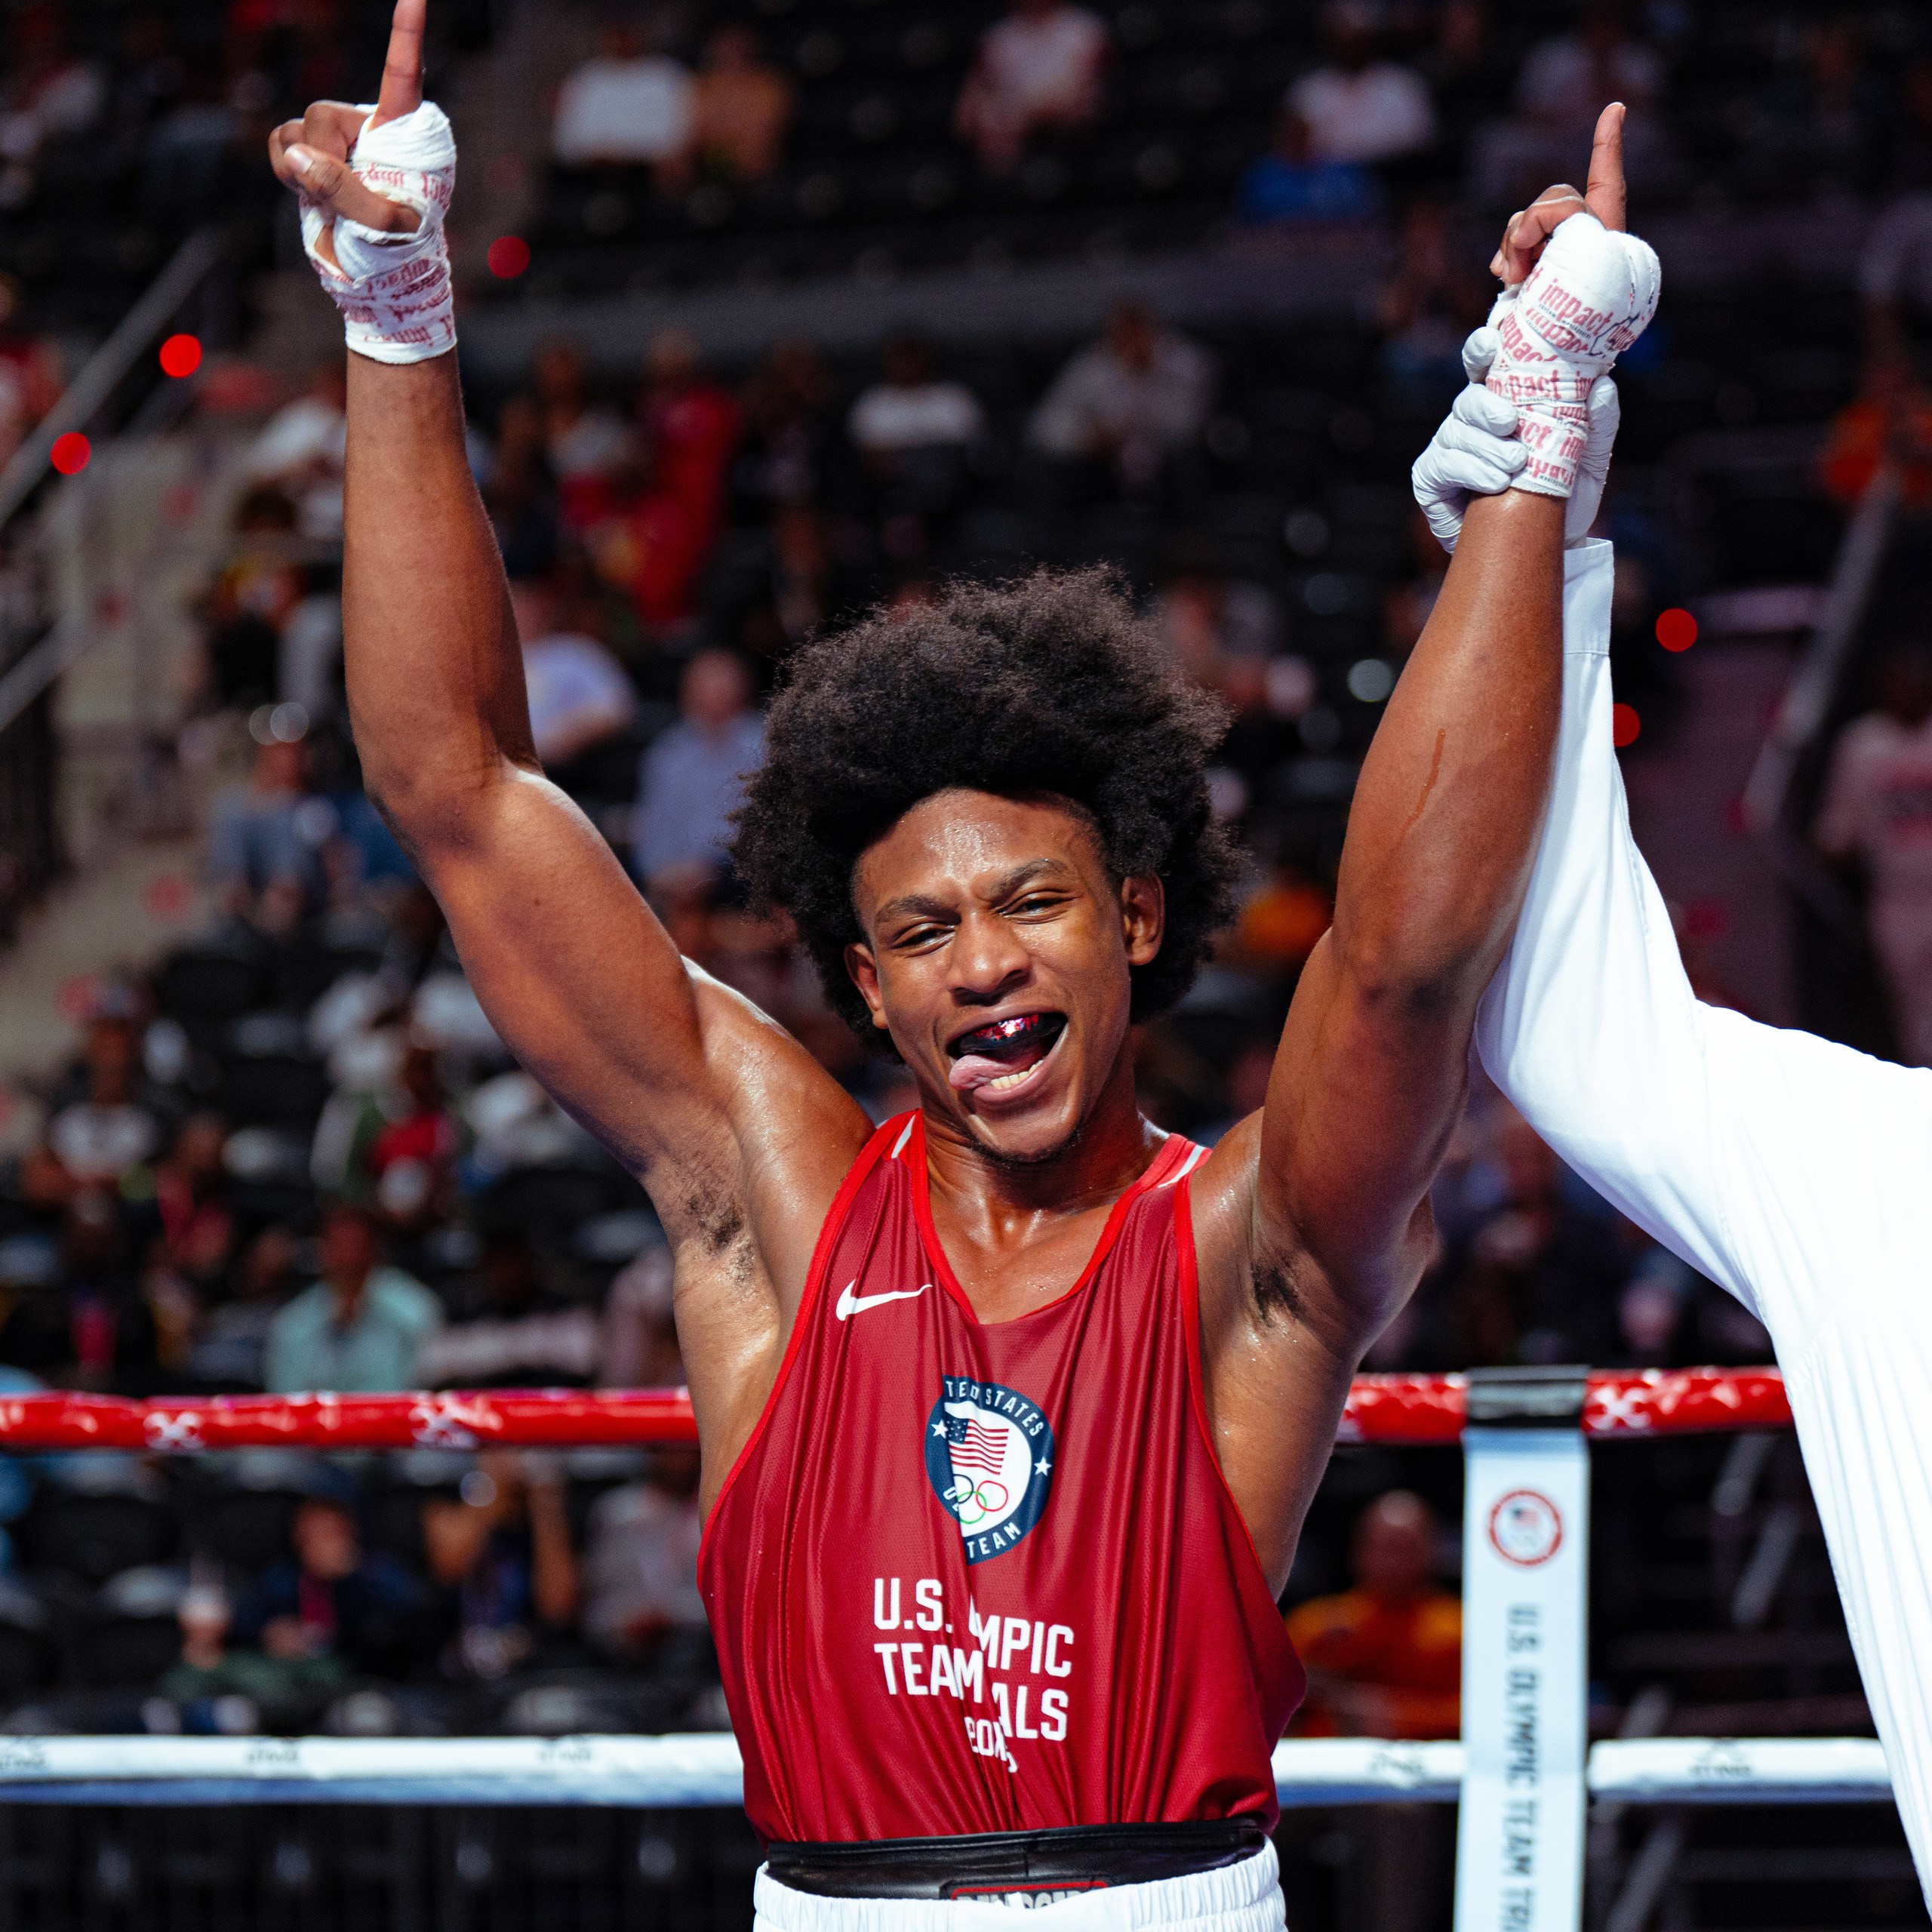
[
  {"x": 1795, "y": 1172},
  {"x": 1245, "y": 1897}
]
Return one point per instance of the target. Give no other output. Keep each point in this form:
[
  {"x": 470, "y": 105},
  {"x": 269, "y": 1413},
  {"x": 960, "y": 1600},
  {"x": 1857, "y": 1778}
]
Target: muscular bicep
[
  {"x": 573, "y": 968},
  {"x": 687, "y": 1083},
  {"x": 1367, "y": 1086},
  {"x": 1280, "y": 1346}
]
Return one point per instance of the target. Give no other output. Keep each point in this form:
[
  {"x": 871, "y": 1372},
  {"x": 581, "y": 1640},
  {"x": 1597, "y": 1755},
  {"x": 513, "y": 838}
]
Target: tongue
[{"x": 972, "y": 1070}]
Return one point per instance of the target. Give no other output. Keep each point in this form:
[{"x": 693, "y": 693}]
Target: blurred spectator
[
  {"x": 301, "y": 449},
  {"x": 1292, "y": 184},
  {"x": 191, "y": 1193},
  {"x": 1823, "y": 121},
  {"x": 29, "y": 373},
  {"x": 692, "y": 778},
  {"x": 412, "y": 1160},
  {"x": 1038, "y": 71},
  {"x": 579, "y": 695},
  {"x": 358, "y": 1330},
  {"x": 743, "y": 107},
  {"x": 512, "y": 1332},
  {"x": 331, "y": 1599},
  {"x": 640, "y": 1327},
  {"x": 219, "y": 1690},
  {"x": 1283, "y": 922},
  {"x": 1356, "y": 106},
  {"x": 90, "y": 1328},
  {"x": 1878, "y": 812},
  {"x": 587, "y": 443},
  {"x": 260, "y": 860},
  {"x": 787, "y": 429},
  {"x": 1564, "y": 85},
  {"x": 912, "y": 429},
  {"x": 520, "y": 490},
  {"x": 690, "y": 425},
  {"x": 627, "y": 105},
  {"x": 1911, "y": 158},
  {"x": 102, "y": 1137},
  {"x": 1895, "y": 277},
  {"x": 1132, "y": 400},
  {"x": 911, "y": 407},
  {"x": 1384, "y": 1659},
  {"x": 656, "y": 546},
  {"x": 640, "y": 1564},
  {"x": 1207, "y": 618},
  {"x": 48, "y": 93},
  {"x": 1540, "y": 1277},
  {"x": 501, "y": 1549},
  {"x": 1889, "y": 421},
  {"x": 228, "y": 1348},
  {"x": 1431, "y": 303}
]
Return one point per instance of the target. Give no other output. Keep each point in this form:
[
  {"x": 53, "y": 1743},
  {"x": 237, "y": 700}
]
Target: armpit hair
[
  {"x": 1273, "y": 1279},
  {"x": 715, "y": 1216}
]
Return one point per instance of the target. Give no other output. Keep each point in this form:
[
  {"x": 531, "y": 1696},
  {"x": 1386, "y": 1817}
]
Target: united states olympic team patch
[{"x": 989, "y": 1457}]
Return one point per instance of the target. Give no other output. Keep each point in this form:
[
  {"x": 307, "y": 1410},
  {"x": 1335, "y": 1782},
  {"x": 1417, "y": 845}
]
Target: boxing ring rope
[
  {"x": 1524, "y": 1773},
  {"x": 1409, "y": 1410}
]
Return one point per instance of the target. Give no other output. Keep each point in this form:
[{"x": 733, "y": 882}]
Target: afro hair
[{"x": 1049, "y": 686}]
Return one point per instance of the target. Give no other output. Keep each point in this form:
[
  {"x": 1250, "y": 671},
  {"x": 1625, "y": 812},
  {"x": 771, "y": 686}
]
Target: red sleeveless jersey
[{"x": 984, "y": 1577}]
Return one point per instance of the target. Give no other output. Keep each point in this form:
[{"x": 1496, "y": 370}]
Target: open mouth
[{"x": 998, "y": 1057}]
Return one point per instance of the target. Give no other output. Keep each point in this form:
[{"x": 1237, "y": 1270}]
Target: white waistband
[{"x": 1245, "y": 1897}]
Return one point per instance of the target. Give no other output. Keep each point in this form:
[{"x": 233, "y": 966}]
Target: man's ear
[
  {"x": 1143, "y": 917},
  {"x": 864, "y": 969}
]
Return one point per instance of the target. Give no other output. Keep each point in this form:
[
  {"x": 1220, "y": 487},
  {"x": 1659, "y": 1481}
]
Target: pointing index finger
[
  {"x": 402, "y": 69},
  {"x": 1604, "y": 195}
]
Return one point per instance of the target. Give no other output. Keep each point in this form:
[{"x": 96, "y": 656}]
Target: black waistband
[{"x": 1081, "y": 1858}]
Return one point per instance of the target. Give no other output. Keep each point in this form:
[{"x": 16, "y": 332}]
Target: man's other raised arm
[
  {"x": 1780, "y": 1165},
  {"x": 670, "y": 1069}
]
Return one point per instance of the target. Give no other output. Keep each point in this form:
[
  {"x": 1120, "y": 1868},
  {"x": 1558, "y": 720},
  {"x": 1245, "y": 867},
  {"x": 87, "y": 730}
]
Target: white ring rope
[{"x": 705, "y": 1769}]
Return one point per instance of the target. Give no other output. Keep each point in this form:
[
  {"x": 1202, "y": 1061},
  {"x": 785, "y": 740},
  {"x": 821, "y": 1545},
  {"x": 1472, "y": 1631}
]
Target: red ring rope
[{"x": 1410, "y": 1409}]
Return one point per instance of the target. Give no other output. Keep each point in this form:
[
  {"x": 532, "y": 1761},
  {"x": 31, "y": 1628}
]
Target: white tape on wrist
[
  {"x": 1590, "y": 296},
  {"x": 394, "y": 289}
]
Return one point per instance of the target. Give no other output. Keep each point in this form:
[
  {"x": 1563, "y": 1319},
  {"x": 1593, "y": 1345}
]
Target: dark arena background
[{"x": 770, "y": 313}]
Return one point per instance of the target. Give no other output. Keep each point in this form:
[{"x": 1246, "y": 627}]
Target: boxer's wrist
[
  {"x": 394, "y": 289},
  {"x": 1590, "y": 296}
]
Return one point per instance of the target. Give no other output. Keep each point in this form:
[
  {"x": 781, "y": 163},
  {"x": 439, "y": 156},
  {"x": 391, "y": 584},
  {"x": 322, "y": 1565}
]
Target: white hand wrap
[
  {"x": 1478, "y": 453},
  {"x": 1590, "y": 296},
  {"x": 394, "y": 289}
]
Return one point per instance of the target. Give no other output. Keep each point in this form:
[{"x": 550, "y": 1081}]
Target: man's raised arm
[
  {"x": 574, "y": 971},
  {"x": 1370, "y": 1075}
]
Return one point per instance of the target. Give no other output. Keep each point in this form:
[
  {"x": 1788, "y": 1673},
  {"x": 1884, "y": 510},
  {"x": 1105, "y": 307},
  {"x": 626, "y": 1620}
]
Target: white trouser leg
[{"x": 1245, "y": 1897}]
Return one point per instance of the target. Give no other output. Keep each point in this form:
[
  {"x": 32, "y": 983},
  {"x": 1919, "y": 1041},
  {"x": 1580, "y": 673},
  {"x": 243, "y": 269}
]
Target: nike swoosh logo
[{"x": 850, "y": 1304}]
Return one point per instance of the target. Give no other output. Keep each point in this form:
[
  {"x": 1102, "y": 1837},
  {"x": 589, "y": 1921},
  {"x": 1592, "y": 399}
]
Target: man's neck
[
  {"x": 1006, "y": 1203},
  {"x": 346, "y": 1291}
]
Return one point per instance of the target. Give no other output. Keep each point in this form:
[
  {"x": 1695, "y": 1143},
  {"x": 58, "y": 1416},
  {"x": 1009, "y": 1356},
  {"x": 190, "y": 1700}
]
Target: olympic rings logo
[{"x": 983, "y": 1499}]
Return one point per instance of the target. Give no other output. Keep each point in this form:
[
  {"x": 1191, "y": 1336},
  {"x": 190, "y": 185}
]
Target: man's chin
[{"x": 1032, "y": 1140}]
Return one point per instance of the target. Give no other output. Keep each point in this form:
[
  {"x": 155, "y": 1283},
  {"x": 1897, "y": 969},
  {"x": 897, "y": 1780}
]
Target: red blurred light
[
  {"x": 508, "y": 257},
  {"x": 180, "y": 355},
  {"x": 1677, "y": 630},
  {"x": 1624, "y": 724},
  {"x": 70, "y": 453}
]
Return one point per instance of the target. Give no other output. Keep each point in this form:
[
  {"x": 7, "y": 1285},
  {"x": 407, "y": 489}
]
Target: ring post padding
[{"x": 1519, "y": 1854}]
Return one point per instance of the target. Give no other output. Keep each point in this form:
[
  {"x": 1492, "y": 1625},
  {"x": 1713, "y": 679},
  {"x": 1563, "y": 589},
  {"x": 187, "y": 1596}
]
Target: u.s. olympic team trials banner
[{"x": 1519, "y": 1861}]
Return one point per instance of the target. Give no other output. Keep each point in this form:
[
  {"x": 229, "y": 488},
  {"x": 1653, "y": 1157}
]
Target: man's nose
[{"x": 988, "y": 960}]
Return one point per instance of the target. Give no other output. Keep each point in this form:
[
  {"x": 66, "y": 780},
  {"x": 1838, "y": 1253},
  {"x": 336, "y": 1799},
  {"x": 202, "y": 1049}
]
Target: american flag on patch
[{"x": 976, "y": 1445}]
